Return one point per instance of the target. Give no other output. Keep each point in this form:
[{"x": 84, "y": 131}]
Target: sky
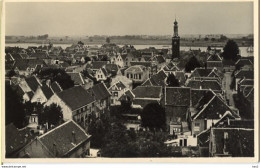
[{"x": 127, "y": 18}]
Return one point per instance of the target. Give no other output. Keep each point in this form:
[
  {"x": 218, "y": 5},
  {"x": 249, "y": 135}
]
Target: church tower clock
[{"x": 175, "y": 41}]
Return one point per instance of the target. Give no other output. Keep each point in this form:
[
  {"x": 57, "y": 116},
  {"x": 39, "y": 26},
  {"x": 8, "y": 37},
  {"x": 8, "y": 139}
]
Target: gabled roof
[
  {"x": 177, "y": 96},
  {"x": 143, "y": 102},
  {"x": 200, "y": 72},
  {"x": 76, "y": 97},
  {"x": 112, "y": 68},
  {"x": 214, "y": 57},
  {"x": 98, "y": 64},
  {"x": 147, "y": 92},
  {"x": 33, "y": 83},
  {"x": 246, "y": 82},
  {"x": 243, "y": 62},
  {"x": 15, "y": 139},
  {"x": 204, "y": 84},
  {"x": 119, "y": 85},
  {"x": 64, "y": 138},
  {"x": 214, "y": 109},
  {"x": 39, "y": 55},
  {"x": 47, "y": 91},
  {"x": 128, "y": 94},
  {"x": 160, "y": 59},
  {"x": 244, "y": 73},
  {"x": 156, "y": 79},
  {"x": 197, "y": 94},
  {"x": 136, "y": 68},
  {"x": 100, "y": 91},
  {"x": 76, "y": 77},
  {"x": 146, "y": 64}
]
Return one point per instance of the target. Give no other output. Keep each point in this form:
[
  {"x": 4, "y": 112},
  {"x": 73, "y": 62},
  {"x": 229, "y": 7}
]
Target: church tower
[{"x": 175, "y": 41}]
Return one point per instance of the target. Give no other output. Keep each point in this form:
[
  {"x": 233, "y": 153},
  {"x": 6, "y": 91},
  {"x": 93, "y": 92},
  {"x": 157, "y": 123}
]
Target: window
[
  {"x": 131, "y": 76},
  {"x": 140, "y": 76},
  {"x": 197, "y": 124},
  {"x": 225, "y": 135},
  {"x": 127, "y": 75},
  {"x": 38, "y": 100},
  {"x": 115, "y": 94}
]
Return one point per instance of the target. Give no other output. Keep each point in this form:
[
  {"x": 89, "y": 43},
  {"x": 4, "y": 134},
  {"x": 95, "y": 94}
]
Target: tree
[
  {"x": 87, "y": 59},
  {"x": 108, "y": 40},
  {"x": 223, "y": 38},
  {"x": 14, "y": 108},
  {"x": 80, "y": 43},
  {"x": 206, "y": 39},
  {"x": 192, "y": 64},
  {"x": 11, "y": 73},
  {"x": 52, "y": 114},
  {"x": 153, "y": 116},
  {"x": 172, "y": 81},
  {"x": 58, "y": 75},
  {"x": 231, "y": 51}
]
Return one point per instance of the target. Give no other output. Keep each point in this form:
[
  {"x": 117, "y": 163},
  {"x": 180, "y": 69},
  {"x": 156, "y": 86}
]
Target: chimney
[
  {"x": 228, "y": 121},
  {"x": 48, "y": 82},
  {"x": 73, "y": 137}
]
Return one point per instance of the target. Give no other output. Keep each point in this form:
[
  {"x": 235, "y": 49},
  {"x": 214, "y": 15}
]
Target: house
[
  {"x": 101, "y": 74},
  {"x": 137, "y": 73},
  {"x": 30, "y": 84},
  {"x": 39, "y": 55},
  {"x": 113, "y": 69},
  {"x": 215, "y": 61},
  {"x": 118, "y": 60},
  {"x": 231, "y": 142},
  {"x": 27, "y": 66},
  {"x": 144, "y": 95},
  {"x": 177, "y": 104},
  {"x": 67, "y": 140},
  {"x": 214, "y": 85},
  {"x": 42, "y": 94},
  {"x": 77, "y": 78},
  {"x": 228, "y": 65},
  {"x": 245, "y": 64},
  {"x": 102, "y": 96},
  {"x": 210, "y": 109},
  {"x": 242, "y": 74},
  {"x": 226, "y": 121},
  {"x": 76, "y": 103},
  {"x": 244, "y": 83},
  {"x": 152, "y": 67},
  {"x": 127, "y": 82},
  {"x": 116, "y": 90},
  {"x": 55, "y": 87},
  {"x": 206, "y": 72},
  {"x": 97, "y": 65},
  {"x": 16, "y": 139},
  {"x": 158, "y": 79}
]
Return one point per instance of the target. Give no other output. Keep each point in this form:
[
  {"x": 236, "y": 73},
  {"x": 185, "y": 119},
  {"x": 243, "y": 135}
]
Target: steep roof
[
  {"x": 112, "y": 68},
  {"x": 204, "y": 84},
  {"x": 244, "y": 73},
  {"x": 136, "y": 68},
  {"x": 33, "y": 83},
  {"x": 214, "y": 109},
  {"x": 243, "y": 62},
  {"x": 76, "y": 77},
  {"x": 39, "y": 55},
  {"x": 100, "y": 91},
  {"x": 47, "y": 91},
  {"x": 177, "y": 96},
  {"x": 146, "y": 64},
  {"x": 197, "y": 94},
  {"x": 98, "y": 64},
  {"x": 64, "y": 140},
  {"x": 15, "y": 139},
  {"x": 143, "y": 102},
  {"x": 56, "y": 87},
  {"x": 147, "y": 92},
  {"x": 214, "y": 57},
  {"x": 128, "y": 94},
  {"x": 76, "y": 97}
]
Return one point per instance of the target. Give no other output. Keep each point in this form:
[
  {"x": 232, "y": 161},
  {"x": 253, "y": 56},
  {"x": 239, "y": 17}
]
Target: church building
[{"x": 175, "y": 41}]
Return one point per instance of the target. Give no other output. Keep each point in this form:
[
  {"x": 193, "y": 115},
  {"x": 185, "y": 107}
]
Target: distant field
[{"x": 121, "y": 41}]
